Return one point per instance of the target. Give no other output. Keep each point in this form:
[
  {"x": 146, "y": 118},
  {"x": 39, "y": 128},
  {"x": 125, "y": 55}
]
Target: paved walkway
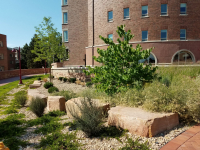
[
  {"x": 6, "y": 81},
  {"x": 188, "y": 140}
]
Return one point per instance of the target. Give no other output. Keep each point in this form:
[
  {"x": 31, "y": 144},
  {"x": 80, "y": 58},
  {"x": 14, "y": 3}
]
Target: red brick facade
[
  {"x": 8, "y": 61},
  {"x": 164, "y": 51}
]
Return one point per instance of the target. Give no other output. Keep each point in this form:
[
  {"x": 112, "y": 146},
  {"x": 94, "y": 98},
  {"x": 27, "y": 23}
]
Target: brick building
[
  {"x": 170, "y": 26},
  {"x": 7, "y": 57}
]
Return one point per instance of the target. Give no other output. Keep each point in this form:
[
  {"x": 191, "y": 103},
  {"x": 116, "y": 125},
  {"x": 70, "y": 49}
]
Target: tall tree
[
  {"x": 24, "y": 52},
  {"x": 47, "y": 44}
]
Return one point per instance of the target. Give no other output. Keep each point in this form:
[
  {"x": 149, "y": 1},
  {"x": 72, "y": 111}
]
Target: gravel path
[{"x": 89, "y": 143}]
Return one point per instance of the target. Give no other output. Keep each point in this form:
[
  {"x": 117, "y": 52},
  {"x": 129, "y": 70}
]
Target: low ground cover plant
[
  {"x": 60, "y": 78},
  {"x": 39, "y": 78},
  {"x": 65, "y": 79},
  {"x": 37, "y": 106},
  {"x": 72, "y": 80},
  {"x": 47, "y": 85},
  {"x": 21, "y": 98},
  {"x": 53, "y": 89}
]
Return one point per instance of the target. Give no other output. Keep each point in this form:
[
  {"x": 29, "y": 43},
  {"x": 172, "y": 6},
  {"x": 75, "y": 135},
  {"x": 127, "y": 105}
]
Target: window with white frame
[
  {"x": 163, "y": 35},
  {"x": 110, "y": 36},
  {"x": 64, "y": 2},
  {"x": 65, "y": 36},
  {"x": 1, "y": 68},
  {"x": 1, "y": 44},
  {"x": 144, "y": 35},
  {"x": 183, "y": 8},
  {"x": 110, "y": 16},
  {"x": 183, "y": 34},
  {"x": 65, "y": 18},
  {"x": 163, "y": 9},
  {"x": 144, "y": 11},
  {"x": 126, "y": 13},
  {"x": 1, "y": 56}
]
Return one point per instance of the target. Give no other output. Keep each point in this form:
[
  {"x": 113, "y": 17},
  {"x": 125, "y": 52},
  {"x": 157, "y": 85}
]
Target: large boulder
[
  {"x": 33, "y": 93},
  {"x": 56, "y": 103},
  {"x": 36, "y": 84},
  {"x": 73, "y": 105},
  {"x": 141, "y": 122}
]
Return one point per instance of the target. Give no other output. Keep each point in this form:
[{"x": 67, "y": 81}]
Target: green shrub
[
  {"x": 10, "y": 110},
  {"x": 37, "y": 106},
  {"x": 48, "y": 85},
  {"x": 39, "y": 78},
  {"x": 166, "y": 81},
  {"x": 72, "y": 80},
  {"x": 56, "y": 113},
  {"x": 91, "y": 118},
  {"x": 66, "y": 94},
  {"x": 135, "y": 145},
  {"x": 89, "y": 84},
  {"x": 60, "y": 78},
  {"x": 65, "y": 79},
  {"x": 14, "y": 143},
  {"x": 53, "y": 89},
  {"x": 21, "y": 99},
  {"x": 58, "y": 141}
]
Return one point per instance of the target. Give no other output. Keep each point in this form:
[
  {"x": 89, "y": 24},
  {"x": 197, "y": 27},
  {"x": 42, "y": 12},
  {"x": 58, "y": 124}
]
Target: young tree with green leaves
[
  {"x": 120, "y": 68},
  {"x": 48, "y": 43}
]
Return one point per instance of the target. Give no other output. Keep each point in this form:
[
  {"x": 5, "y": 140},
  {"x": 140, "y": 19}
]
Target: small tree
[
  {"x": 120, "y": 65},
  {"x": 48, "y": 43}
]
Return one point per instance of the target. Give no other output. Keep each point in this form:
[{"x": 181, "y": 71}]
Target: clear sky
[{"x": 19, "y": 17}]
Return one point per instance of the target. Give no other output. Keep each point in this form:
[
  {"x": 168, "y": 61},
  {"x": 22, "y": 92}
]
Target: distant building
[
  {"x": 7, "y": 57},
  {"x": 171, "y": 26}
]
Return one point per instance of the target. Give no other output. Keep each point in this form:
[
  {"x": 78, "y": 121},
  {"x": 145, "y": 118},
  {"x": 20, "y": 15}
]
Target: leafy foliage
[
  {"x": 21, "y": 98},
  {"x": 37, "y": 106},
  {"x": 53, "y": 89},
  {"x": 60, "y": 78},
  {"x": 120, "y": 68},
  {"x": 47, "y": 85},
  {"x": 14, "y": 143},
  {"x": 65, "y": 79},
  {"x": 89, "y": 84},
  {"x": 72, "y": 80}
]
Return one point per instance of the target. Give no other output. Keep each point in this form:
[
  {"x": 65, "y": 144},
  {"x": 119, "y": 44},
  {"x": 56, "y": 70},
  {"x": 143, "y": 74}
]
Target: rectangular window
[
  {"x": 163, "y": 35},
  {"x": 64, "y": 2},
  {"x": 110, "y": 16},
  {"x": 144, "y": 11},
  {"x": 1, "y": 68},
  {"x": 65, "y": 19},
  {"x": 144, "y": 35},
  {"x": 65, "y": 36},
  {"x": 163, "y": 9},
  {"x": 183, "y": 34},
  {"x": 1, "y": 44},
  {"x": 1, "y": 56},
  {"x": 10, "y": 55},
  {"x": 110, "y": 36},
  {"x": 126, "y": 13},
  {"x": 183, "y": 8}
]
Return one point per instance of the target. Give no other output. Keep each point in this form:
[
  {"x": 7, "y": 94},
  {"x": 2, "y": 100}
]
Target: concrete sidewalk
[{"x": 6, "y": 81}]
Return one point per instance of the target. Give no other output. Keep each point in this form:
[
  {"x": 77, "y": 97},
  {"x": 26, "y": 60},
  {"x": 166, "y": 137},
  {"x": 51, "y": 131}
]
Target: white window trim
[
  {"x": 161, "y": 11},
  {"x": 62, "y": 2},
  {"x": 65, "y": 11},
  {"x": 63, "y": 35},
  {"x": 126, "y": 17}
]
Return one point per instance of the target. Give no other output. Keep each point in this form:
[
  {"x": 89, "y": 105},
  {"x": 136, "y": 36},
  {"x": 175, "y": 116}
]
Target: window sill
[
  {"x": 145, "y": 17},
  {"x": 127, "y": 19},
  {"x": 65, "y": 24},
  {"x": 163, "y": 40},
  {"x": 110, "y": 21},
  {"x": 64, "y": 5},
  {"x": 183, "y": 14},
  {"x": 164, "y": 15},
  {"x": 66, "y": 41},
  {"x": 183, "y": 40},
  {"x": 144, "y": 41}
]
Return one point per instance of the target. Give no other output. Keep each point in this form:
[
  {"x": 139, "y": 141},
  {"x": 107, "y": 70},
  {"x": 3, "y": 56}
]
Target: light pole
[{"x": 20, "y": 75}]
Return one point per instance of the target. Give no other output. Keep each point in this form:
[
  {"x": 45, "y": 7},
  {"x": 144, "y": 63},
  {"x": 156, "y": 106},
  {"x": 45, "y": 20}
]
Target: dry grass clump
[{"x": 66, "y": 94}]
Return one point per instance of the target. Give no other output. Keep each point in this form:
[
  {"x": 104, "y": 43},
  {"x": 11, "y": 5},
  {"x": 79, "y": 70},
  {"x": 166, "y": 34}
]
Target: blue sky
[{"x": 19, "y": 17}]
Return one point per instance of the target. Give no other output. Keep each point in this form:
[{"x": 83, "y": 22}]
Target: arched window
[
  {"x": 183, "y": 57},
  {"x": 150, "y": 60},
  {"x": 1, "y": 44}
]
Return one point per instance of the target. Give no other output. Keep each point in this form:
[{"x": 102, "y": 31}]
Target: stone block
[
  {"x": 36, "y": 84},
  {"x": 141, "y": 122},
  {"x": 33, "y": 93},
  {"x": 56, "y": 103},
  {"x": 73, "y": 105}
]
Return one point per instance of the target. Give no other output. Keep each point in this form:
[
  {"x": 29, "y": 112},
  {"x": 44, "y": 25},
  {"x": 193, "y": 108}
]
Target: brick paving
[{"x": 188, "y": 140}]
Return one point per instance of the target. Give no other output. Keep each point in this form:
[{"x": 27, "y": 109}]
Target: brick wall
[
  {"x": 15, "y": 73},
  {"x": 77, "y": 31},
  {"x": 3, "y": 50}
]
